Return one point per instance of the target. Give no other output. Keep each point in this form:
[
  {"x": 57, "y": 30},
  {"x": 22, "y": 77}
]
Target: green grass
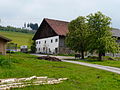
[
  {"x": 72, "y": 55},
  {"x": 17, "y": 37},
  {"x": 79, "y": 77}
]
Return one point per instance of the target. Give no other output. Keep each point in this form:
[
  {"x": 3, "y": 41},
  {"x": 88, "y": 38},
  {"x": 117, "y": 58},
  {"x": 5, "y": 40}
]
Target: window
[
  {"x": 39, "y": 49},
  {"x": 45, "y": 41},
  {"x": 39, "y": 42},
  {"x": 56, "y": 50},
  {"x": 56, "y": 40},
  {"x": 51, "y": 41}
]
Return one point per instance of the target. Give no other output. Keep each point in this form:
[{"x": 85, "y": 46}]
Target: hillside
[{"x": 18, "y": 37}]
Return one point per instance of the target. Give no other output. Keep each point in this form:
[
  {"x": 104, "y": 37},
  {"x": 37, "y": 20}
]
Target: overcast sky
[{"x": 16, "y": 12}]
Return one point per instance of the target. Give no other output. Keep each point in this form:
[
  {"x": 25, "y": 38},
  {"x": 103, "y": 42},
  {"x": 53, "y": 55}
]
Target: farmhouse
[
  {"x": 3, "y": 42},
  {"x": 50, "y": 37}
]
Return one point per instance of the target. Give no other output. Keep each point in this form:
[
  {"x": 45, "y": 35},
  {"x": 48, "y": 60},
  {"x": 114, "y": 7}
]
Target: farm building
[
  {"x": 3, "y": 42},
  {"x": 50, "y": 37}
]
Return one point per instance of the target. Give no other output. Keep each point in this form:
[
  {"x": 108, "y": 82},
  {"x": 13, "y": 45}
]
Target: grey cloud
[{"x": 19, "y": 11}]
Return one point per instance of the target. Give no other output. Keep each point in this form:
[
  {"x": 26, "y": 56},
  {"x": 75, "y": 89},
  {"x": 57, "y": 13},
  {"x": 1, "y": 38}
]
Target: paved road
[{"x": 107, "y": 68}]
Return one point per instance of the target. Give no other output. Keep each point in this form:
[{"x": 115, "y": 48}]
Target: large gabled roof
[
  {"x": 5, "y": 38},
  {"x": 60, "y": 27}
]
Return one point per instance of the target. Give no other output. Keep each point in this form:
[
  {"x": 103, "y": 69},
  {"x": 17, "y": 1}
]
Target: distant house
[
  {"x": 116, "y": 33},
  {"x": 3, "y": 42},
  {"x": 50, "y": 37}
]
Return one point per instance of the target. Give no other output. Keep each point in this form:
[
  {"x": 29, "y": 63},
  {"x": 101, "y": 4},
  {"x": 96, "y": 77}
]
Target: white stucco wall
[{"x": 48, "y": 47}]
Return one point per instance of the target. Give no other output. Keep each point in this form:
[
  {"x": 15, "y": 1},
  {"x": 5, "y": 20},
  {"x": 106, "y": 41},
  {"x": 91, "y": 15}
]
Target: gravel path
[{"x": 107, "y": 68}]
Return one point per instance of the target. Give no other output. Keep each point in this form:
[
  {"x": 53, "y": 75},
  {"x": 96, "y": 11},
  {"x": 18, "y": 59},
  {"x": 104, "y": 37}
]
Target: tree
[
  {"x": 33, "y": 26},
  {"x": 78, "y": 37},
  {"x": 101, "y": 40},
  {"x": 32, "y": 45}
]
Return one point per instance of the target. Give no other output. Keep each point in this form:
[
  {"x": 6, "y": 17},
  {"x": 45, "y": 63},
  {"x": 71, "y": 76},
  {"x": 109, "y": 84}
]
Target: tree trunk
[
  {"x": 100, "y": 56},
  {"x": 82, "y": 54}
]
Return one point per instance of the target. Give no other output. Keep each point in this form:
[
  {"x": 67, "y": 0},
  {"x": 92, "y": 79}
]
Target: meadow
[
  {"x": 18, "y": 37},
  {"x": 79, "y": 77}
]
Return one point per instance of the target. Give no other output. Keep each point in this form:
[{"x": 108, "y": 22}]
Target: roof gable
[
  {"x": 44, "y": 31},
  {"x": 60, "y": 27}
]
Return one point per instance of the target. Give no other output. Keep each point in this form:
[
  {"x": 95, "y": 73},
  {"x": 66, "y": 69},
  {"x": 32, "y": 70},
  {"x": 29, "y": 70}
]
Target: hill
[{"x": 18, "y": 37}]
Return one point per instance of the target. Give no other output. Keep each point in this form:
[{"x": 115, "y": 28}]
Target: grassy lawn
[
  {"x": 69, "y": 55},
  {"x": 79, "y": 77},
  {"x": 17, "y": 37}
]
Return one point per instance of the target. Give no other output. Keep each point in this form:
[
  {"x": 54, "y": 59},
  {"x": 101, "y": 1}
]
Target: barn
[{"x": 3, "y": 43}]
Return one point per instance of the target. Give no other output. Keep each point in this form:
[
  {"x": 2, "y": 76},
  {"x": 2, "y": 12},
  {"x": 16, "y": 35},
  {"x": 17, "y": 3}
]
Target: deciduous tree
[
  {"x": 78, "y": 37},
  {"x": 101, "y": 40}
]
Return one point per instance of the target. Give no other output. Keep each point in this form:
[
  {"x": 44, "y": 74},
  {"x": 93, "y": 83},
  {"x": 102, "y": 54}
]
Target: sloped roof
[
  {"x": 4, "y": 38},
  {"x": 60, "y": 27},
  {"x": 116, "y": 32}
]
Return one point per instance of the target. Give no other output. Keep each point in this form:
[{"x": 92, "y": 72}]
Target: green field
[
  {"x": 79, "y": 77},
  {"x": 17, "y": 37}
]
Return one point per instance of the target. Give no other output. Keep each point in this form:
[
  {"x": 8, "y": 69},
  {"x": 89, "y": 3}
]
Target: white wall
[{"x": 48, "y": 47}]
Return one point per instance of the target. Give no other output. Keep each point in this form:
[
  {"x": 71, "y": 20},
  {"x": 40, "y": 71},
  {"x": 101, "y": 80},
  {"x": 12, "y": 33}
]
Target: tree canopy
[
  {"x": 78, "y": 37},
  {"x": 93, "y": 34},
  {"x": 102, "y": 40}
]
